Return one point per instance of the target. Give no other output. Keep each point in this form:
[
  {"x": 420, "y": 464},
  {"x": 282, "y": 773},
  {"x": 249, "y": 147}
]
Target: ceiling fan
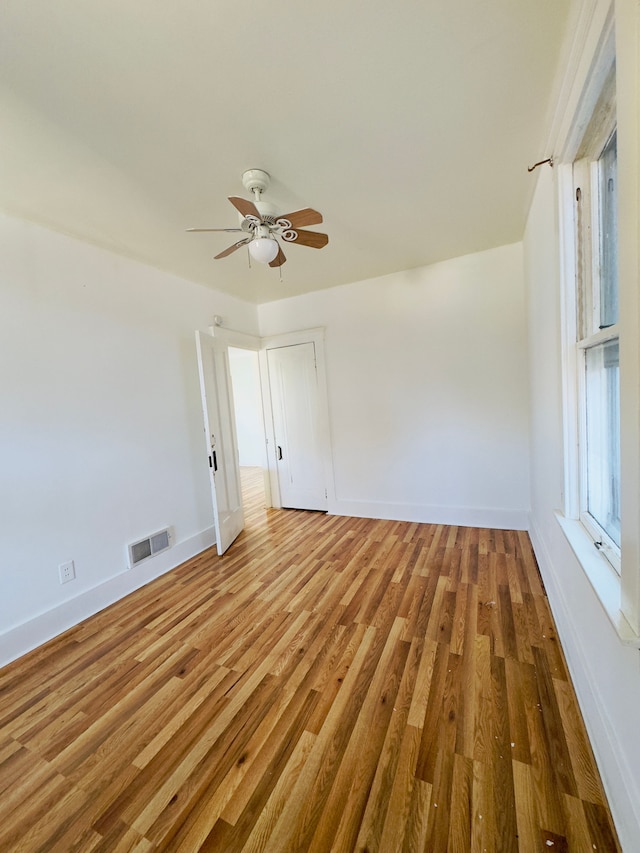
[{"x": 263, "y": 227}]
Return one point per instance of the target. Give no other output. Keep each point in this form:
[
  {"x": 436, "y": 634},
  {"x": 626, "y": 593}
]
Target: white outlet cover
[{"x": 67, "y": 571}]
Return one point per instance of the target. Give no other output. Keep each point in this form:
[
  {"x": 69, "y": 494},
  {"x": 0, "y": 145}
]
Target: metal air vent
[{"x": 149, "y": 547}]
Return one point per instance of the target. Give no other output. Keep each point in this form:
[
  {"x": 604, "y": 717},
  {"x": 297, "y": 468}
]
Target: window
[{"x": 596, "y": 328}]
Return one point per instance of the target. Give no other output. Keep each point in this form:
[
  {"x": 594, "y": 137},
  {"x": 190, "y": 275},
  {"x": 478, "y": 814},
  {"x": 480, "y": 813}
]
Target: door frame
[
  {"x": 242, "y": 340},
  {"x": 315, "y": 336}
]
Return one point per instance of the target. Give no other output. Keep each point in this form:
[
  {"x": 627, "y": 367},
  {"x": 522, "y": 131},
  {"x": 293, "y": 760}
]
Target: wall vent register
[{"x": 149, "y": 547}]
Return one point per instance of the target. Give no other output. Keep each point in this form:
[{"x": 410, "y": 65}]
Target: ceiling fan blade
[
  {"x": 308, "y": 238},
  {"x": 300, "y": 218},
  {"x": 245, "y": 207},
  {"x": 279, "y": 259},
  {"x": 232, "y": 248},
  {"x": 213, "y": 229}
]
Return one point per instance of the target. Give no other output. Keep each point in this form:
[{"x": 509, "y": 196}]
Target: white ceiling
[{"x": 409, "y": 125}]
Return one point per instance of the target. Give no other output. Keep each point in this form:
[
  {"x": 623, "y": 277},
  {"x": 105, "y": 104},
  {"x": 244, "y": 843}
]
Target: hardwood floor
[{"x": 330, "y": 684}]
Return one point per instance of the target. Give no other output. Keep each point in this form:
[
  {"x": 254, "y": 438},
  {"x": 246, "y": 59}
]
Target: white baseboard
[
  {"x": 23, "y": 638},
  {"x": 498, "y": 519},
  {"x": 620, "y": 783}
]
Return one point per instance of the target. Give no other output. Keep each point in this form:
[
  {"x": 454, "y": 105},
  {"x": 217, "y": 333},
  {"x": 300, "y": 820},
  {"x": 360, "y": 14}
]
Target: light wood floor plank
[{"x": 397, "y": 810}]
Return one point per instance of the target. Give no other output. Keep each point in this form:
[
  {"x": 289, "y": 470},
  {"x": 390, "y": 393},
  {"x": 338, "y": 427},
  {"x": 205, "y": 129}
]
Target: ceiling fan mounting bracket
[{"x": 256, "y": 181}]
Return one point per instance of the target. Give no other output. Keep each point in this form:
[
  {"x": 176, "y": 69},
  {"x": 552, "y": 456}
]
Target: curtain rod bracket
[{"x": 549, "y": 160}]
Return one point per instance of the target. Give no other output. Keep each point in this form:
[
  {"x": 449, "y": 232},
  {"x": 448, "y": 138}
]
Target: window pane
[
  {"x": 603, "y": 436},
  {"x": 608, "y": 234}
]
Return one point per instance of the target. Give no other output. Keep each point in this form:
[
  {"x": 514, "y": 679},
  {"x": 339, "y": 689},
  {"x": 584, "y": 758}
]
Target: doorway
[{"x": 244, "y": 368}]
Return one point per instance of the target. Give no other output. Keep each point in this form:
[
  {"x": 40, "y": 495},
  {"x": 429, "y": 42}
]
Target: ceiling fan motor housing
[{"x": 267, "y": 211}]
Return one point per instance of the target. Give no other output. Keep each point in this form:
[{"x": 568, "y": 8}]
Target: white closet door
[{"x": 293, "y": 382}]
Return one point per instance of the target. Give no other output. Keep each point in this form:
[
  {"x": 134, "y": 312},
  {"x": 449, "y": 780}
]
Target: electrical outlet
[{"x": 67, "y": 571}]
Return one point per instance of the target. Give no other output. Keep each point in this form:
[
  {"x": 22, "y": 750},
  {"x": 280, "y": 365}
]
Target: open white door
[{"x": 220, "y": 430}]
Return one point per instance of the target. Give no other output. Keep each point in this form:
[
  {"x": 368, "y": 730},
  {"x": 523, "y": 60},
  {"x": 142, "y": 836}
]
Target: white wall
[
  {"x": 427, "y": 384},
  {"x": 101, "y": 425},
  {"x": 245, "y": 377}
]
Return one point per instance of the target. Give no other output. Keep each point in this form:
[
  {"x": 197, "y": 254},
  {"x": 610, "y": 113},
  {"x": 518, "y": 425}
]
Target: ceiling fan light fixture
[{"x": 263, "y": 249}]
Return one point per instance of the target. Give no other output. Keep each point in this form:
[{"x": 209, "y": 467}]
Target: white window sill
[{"x": 602, "y": 577}]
